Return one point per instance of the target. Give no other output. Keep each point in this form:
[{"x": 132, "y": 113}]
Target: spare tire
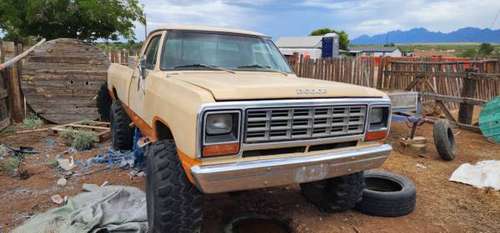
[
  {"x": 444, "y": 140},
  {"x": 387, "y": 194},
  {"x": 335, "y": 194}
]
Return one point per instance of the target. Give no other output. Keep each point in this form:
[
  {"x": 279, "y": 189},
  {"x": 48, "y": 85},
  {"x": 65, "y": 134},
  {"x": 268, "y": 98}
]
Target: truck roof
[{"x": 205, "y": 28}]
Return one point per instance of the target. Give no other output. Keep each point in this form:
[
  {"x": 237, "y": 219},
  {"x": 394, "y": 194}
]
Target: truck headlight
[
  {"x": 218, "y": 124},
  {"x": 221, "y": 134},
  {"x": 378, "y": 123},
  {"x": 378, "y": 118},
  {"x": 376, "y": 115}
]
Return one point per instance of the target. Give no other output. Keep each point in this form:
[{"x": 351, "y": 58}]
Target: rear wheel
[
  {"x": 121, "y": 132},
  {"x": 335, "y": 194},
  {"x": 173, "y": 203},
  {"x": 103, "y": 102}
]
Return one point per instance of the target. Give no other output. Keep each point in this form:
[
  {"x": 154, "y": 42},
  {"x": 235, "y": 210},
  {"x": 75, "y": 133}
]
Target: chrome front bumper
[{"x": 282, "y": 171}]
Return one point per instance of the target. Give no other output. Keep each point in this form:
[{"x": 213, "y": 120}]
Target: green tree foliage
[
  {"x": 343, "y": 36},
  {"x": 81, "y": 19},
  {"x": 485, "y": 49},
  {"x": 321, "y": 31},
  {"x": 469, "y": 53}
]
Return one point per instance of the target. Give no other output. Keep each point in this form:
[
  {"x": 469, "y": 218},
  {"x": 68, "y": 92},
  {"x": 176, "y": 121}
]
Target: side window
[{"x": 151, "y": 52}]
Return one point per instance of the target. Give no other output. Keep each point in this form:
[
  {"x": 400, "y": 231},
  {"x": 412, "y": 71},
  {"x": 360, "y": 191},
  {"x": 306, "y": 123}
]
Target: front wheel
[
  {"x": 335, "y": 194},
  {"x": 173, "y": 203}
]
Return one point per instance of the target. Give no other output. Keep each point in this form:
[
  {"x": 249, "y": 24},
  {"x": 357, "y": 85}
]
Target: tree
[
  {"x": 81, "y": 19},
  {"x": 343, "y": 36},
  {"x": 485, "y": 49},
  {"x": 469, "y": 53}
]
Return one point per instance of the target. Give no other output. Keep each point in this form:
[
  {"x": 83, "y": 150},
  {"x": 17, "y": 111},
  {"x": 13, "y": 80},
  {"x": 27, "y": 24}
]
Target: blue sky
[{"x": 299, "y": 17}]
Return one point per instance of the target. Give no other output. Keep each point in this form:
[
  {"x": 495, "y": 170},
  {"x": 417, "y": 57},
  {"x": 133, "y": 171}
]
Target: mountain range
[{"x": 422, "y": 35}]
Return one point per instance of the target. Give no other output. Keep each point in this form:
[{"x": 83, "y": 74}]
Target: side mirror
[{"x": 142, "y": 67}]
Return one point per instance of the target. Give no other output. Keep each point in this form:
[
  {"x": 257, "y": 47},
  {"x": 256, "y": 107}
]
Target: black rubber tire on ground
[
  {"x": 387, "y": 195},
  {"x": 104, "y": 102},
  {"x": 121, "y": 132},
  {"x": 173, "y": 203},
  {"x": 335, "y": 194},
  {"x": 444, "y": 140}
]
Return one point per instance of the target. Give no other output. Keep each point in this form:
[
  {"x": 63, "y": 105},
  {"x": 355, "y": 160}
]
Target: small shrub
[
  {"x": 3, "y": 151},
  {"x": 53, "y": 163},
  {"x": 32, "y": 122},
  {"x": 84, "y": 140},
  {"x": 10, "y": 165},
  {"x": 67, "y": 136},
  {"x": 79, "y": 139},
  {"x": 9, "y": 130}
]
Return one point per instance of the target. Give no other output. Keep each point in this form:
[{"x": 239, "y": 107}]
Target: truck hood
[{"x": 264, "y": 85}]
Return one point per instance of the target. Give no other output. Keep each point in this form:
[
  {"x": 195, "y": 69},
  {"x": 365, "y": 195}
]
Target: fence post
[
  {"x": 15, "y": 101},
  {"x": 466, "y": 110}
]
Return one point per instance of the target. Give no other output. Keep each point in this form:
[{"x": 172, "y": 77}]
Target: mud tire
[
  {"x": 121, "y": 132},
  {"x": 444, "y": 140},
  {"x": 387, "y": 195},
  {"x": 173, "y": 203},
  {"x": 335, "y": 194},
  {"x": 103, "y": 103}
]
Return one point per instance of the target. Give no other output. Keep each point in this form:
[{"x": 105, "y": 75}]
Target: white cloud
[
  {"x": 223, "y": 13},
  {"x": 354, "y": 16},
  {"x": 378, "y": 16}
]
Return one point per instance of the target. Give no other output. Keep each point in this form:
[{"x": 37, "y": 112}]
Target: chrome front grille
[{"x": 300, "y": 123}]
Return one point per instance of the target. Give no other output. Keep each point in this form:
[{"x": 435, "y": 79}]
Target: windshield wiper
[
  {"x": 263, "y": 67},
  {"x": 204, "y": 66},
  {"x": 254, "y": 66}
]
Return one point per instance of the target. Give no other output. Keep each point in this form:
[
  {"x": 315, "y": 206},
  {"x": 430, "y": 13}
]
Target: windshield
[{"x": 186, "y": 50}]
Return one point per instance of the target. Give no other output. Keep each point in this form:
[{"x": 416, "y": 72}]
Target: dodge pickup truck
[{"x": 224, "y": 112}]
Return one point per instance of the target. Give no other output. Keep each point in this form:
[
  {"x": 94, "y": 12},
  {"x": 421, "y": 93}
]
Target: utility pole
[
  {"x": 145, "y": 24},
  {"x": 145, "y": 27}
]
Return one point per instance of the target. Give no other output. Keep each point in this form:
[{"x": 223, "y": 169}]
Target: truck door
[{"x": 147, "y": 64}]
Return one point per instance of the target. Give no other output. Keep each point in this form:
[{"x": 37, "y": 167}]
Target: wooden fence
[
  {"x": 446, "y": 77},
  {"x": 451, "y": 83},
  {"x": 123, "y": 57},
  {"x": 397, "y": 73},
  {"x": 361, "y": 71},
  {"x": 7, "y": 50},
  {"x": 11, "y": 104}
]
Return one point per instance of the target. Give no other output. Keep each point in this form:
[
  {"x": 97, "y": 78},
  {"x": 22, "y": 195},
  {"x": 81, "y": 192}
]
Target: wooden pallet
[{"x": 102, "y": 129}]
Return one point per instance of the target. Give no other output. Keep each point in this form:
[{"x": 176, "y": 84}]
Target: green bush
[
  {"x": 79, "y": 139},
  {"x": 53, "y": 163},
  {"x": 3, "y": 151},
  {"x": 32, "y": 122},
  {"x": 10, "y": 165},
  {"x": 84, "y": 140}
]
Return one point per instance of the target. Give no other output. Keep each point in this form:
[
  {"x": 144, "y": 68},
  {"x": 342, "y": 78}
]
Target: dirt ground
[{"x": 442, "y": 206}]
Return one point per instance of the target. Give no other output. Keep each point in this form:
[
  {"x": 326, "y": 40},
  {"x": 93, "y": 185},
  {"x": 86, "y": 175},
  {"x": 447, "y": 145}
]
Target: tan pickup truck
[{"x": 224, "y": 112}]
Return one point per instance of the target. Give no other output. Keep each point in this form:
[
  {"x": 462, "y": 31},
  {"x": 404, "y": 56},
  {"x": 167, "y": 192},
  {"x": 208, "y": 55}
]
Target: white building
[
  {"x": 376, "y": 51},
  {"x": 312, "y": 46}
]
